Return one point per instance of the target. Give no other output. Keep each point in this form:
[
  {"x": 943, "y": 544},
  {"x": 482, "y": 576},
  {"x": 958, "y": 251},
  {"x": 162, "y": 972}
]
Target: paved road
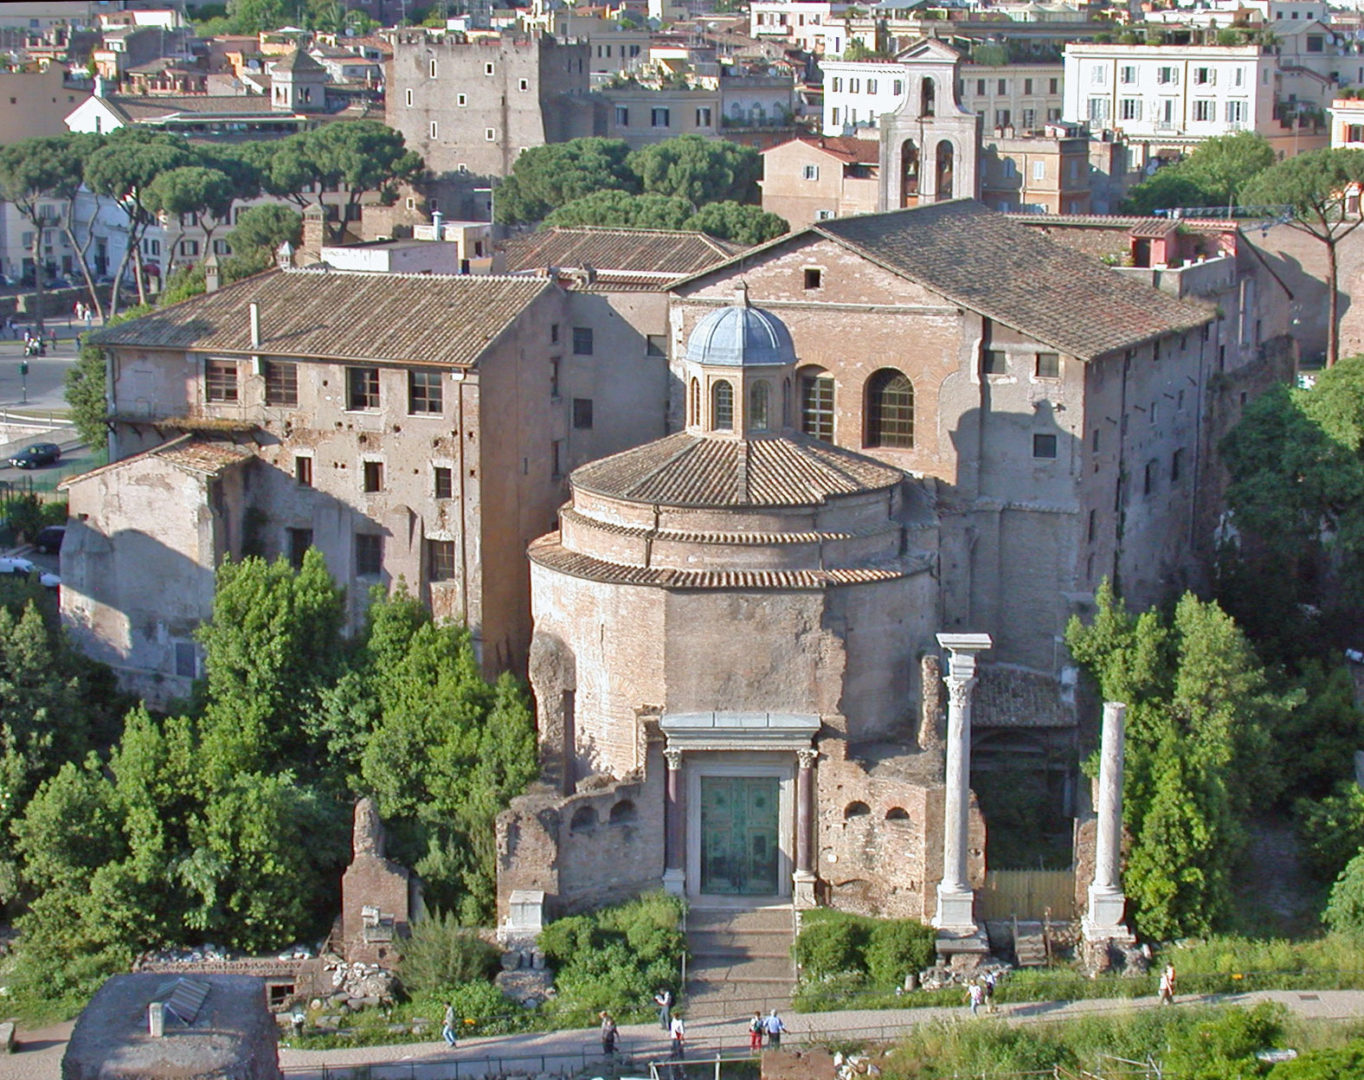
[
  {"x": 45, "y": 373},
  {"x": 40, "y": 1052}
]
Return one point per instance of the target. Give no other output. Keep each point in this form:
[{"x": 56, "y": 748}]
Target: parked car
[
  {"x": 48, "y": 580},
  {"x": 56, "y": 283},
  {"x": 49, "y": 539},
  {"x": 16, "y": 564},
  {"x": 30, "y": 457}
]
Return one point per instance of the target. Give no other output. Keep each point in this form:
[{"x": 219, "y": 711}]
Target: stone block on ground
[
  {"x": 7, "y": 1037},
  {"x": 798, "y": 1065}
]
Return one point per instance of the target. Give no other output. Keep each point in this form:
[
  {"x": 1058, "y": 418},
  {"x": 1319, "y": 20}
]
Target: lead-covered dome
[{"x": 740, "y": 336}]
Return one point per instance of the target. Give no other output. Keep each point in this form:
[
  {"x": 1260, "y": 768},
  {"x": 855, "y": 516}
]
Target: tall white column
[
  {"x": 1106, "y": 900},
  {"x": 956, "y": 900}
]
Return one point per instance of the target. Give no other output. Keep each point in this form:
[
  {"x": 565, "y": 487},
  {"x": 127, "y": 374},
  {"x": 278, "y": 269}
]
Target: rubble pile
[
  {"x": 848, "y": 1066},
  {"x": 202, "y": 954},
  {"x": 358, "y": 985},
  {"x": 525, "y": 978}
]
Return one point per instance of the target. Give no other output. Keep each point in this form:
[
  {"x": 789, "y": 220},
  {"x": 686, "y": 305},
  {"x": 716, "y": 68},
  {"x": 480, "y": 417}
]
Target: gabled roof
[
  {"x": 299, "y": 62},
  {"x": 848, "y": 150},
  {"x": 930, "y": 47},
  {"x": 192, "y": 453},
  {"x": 655, "y": 251},
  {"x": 1008, "y": 272},
  {"x": 412, "y": 319}
]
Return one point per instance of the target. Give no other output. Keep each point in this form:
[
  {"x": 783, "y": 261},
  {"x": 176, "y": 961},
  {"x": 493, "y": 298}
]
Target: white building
[
  {"x": 1175, "y": 96},
  {"x": 1347, "y": 124},
  {"x": 801, "y": 23}
]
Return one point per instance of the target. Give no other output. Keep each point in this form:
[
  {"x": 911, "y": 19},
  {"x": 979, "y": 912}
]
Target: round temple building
[{"x": 731, "y": 627}]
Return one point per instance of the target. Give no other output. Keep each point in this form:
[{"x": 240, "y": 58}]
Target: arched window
[
  {"x": 855, "y": 809},
  {"x": 890, "y": 410},
  {"x": 584, "y": 820},
  {"x": 722, "y": 407},
  {"x": 695, "y": 403},
  {"x": 817, "y": 403},
  {"x": 622, "y": 812},
  {"x": 928, "y": 102},
  {"x": 757, "y": 407},
  {"x": 786, "y": 403},
  {"x": 897, "y": 813},
  {"x": 909, "y": 173},
  {"x": 944, "y": 170}
]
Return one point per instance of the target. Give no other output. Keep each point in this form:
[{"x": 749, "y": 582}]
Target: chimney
[
  {"x": 255, "y": 325},
  {"x": 437, "y": 220},
  {"x": 284, "y": 255},
  {"x": 213, "y": 277},
  {"x": 314, "y": 234}
]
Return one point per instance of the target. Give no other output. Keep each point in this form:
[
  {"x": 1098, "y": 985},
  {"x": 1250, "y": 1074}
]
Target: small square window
[
  {"x": 373, "y": 476},
  {"x": 440, "y": 558},
  {"x": 1048, "y": 365},
  {"x": 814, "y": 277},
  {"x": 281, "y": 383},
  {"x": 362, "y": 388},
  {"x": 1044, "y": 446},
  {"x": 582, "y": 413},
  {"x": 656, "y": 345},
  {"x": 811, "y": 172},
  {"x": 303, "y": 470},
  {"x": 461, "y": 100},
  {"x": 582, "y": 341},
  {"x": 445, "y": 486},
  {"x": 424, "y": 394},
  {"x": 220, "y": 380},
  {"x": 524, "y": 84},
  {"x": 996, "y": 362},
  {"x": 369, "y": 554},
  {"x": 488, "y": 69},
  {"x": 490, "y": 134}
]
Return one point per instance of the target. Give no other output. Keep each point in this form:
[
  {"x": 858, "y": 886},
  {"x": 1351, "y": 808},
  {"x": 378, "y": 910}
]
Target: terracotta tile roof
[
  {"x": 157, "y": 106},
  {"x": 778, "y": 470},
  {"x": 427, "y": 319},
  {"x": 1012, "y": 274},
  {"x": 639, "y": 250},
  {"x": 847, "y": 149},
  {"x": 548, "y": 552},
  {"x": 207, "y": 457},
  {"x": 1008, "y": 696}
]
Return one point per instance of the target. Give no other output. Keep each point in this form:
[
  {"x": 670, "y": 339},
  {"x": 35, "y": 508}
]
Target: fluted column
[
  {"x": 674, "y": 835},
  {"x": 804, "y": 877},
  {"x": 956, "y": 900},
  {"x": 1106, "y": 900}
]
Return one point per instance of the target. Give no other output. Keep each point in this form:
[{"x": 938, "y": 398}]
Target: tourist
[
  {"x": 664, "y": 1000},
  {"x": 1167, "y": 985},
  {"x": 678, "y": 1030},
  {"x": 447, "y": 1030},
  {"x": 774, "y": 1029},
  {"x": 975, "y": 994},
  {"x": 608, "y": 1034},
  {"x": 988, "y": 986},
  {"x": 756, "y": 1027}
]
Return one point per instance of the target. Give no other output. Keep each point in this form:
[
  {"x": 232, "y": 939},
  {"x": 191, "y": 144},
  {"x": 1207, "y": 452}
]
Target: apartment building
[{"x": 801, "y": 23}]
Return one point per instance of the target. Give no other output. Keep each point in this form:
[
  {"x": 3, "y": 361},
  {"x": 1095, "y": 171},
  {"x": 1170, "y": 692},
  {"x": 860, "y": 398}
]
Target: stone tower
[
  {"x": 298, "y": 83},
  {"x": 929, "y": 145}
]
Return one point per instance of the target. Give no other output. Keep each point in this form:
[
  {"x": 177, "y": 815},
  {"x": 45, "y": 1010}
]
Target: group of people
[
  {"x": 36, "y": 345},
  {"x": 982, "y": 992},
  {"x": 769, "y": 1026},
  {"x": 84, "y": 313}
]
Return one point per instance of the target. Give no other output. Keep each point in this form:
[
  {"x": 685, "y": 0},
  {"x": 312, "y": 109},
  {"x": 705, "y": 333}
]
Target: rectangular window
[
  {"x": 434, "y": 130},
  {"x": 220, "y": 380},
  {"x": 582, "y": 413},
  {"x": 362, "y": 388},
  {"x": 186, "y": 660},
  {"x": 811, "y": 172},
  {"x": 1148, "y": 481},
  {"x": 281, "y": 383},
  {"x": 432, "y": 69},
  {"x": 554, "y": 378},
  {"x": 189, "y": 248},
  {"x": 490, "y": 134},
  {"x": 854, "y": 86},
  {"x": 445, "y": 482},
  {"x": 523, "y": 84},
  {"x": 1204, "y": 110},
  {"x": 1205, "y": 76},
  {"x": 488, "y": 69},
  {"x": 980, "y": 87},
  {"x": 1048, "y": 365},
  {"x": 222, "y": 247},
  {"x": 1315, "y": 43},
  {"x": 1098, "y": 110},
  {"x": 817, "y": 406},
  {"x": 373, "y": 476},
  {"x": 1094, "y": 441},
  {"x": 1052, "y": 86},
  {"x": 996, "y": 362},
  {"x": 303, "y": 470},
  {"x": 1039, "y": 170},
  {"x": 408, "y": 98},
  {"x": 1029, "y": 119},
  {"x": 1043, "y": 446},
  {"x": 462, "y": 100},
  {"x": 1001, "y": 118},
  {"x": 838, "y": 86},
  {"x": 556, "y": 453},
  {"x": 1167, "y": 76},
  {"x": 299, "y": 540},
  {"x": 1236, "y": 112},
  {"x": 424, "y": 392},
  {"x": 622, "y": 116},
  {"x": 833, "y": 117},
  {"x": 660, "y": 118},
  {"x": 814, "y": 277},
  {"x": 440, "y": 558},
  {"x": 1176, "y": 466},
  {"x": 1127, "y": 75},
  {"x": 369, "y": 554},
  {"x": 703, "y": 119},
  {"x": 1027, "y": 86},
  {"x": 582, "y": 341},
  {"x": 554, "y": 333},
  {"x": 1003, "y": 86},
  {"x": 656, "y": 345},
  {"x": 1129, "y": 108}
]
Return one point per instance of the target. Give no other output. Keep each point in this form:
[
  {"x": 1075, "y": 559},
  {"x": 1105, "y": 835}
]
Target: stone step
[
  {"x": 724, "y": 940},
  {"x": 741, "y": 920},
  {"x": 720, "y": 969},
  {"x": 738, "y": 999}
]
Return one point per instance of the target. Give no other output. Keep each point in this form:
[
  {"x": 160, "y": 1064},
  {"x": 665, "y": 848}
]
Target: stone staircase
[
  {"x": 740, "y": 961},
  {"x": 1030, "y": 944}
]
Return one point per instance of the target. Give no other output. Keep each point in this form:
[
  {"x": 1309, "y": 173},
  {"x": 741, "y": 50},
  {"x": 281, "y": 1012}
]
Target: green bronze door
[{"x": 739, "y": 835}]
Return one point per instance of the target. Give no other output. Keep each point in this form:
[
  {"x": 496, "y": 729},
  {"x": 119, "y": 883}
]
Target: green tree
[
  {"x": 1345, "y": 907},
  {"x": 85, "y": 388},
  {"x": 1167, "y": 187},
  {"x": 546, "y": 177},
  {"x": 620, "y": 209},
  {"x": 699, "y": 170},
  {"x": 1223, "y": 165},
  {"x": 1313, "y": 187},
  {"x": 201, "y": 195},
  {"x": 741, "y": 224},
  {"x": 255, "y": 16},
  {"x": 365, "y": 156},
  {"x": 265, "y": 228}
]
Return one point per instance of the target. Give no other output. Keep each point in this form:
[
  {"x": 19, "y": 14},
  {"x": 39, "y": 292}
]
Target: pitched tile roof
[
  {"x": 693, "y": 470},
  {"x": 1009, "y": 273},
  {"x": 427, "y": 319},
  {"x": 641, "y": 250},
  {"x": 192, "y": 453},
  {"x": 849, "y": 150}
]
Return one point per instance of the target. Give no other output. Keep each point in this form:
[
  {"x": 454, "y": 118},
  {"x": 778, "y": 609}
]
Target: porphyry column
[
  {"x": 804, "y": 877},
  {"x": 674, "y": 874},
  {"x": 956, "y": 901},
  {"x": 1106, "y": 900}
]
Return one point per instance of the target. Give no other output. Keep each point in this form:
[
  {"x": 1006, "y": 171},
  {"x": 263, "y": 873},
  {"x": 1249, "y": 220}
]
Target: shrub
[
  {"x": 441, "y": 954},
  {"x": 1341, "y": 1063},
  {"x": 1345, "y": 909},
  {"x": 896, "y": 948},
  {"x": 1331, "y": 830},
  {"x": 832, "y": 943},
  {"x": 1224, "y": 1047}
]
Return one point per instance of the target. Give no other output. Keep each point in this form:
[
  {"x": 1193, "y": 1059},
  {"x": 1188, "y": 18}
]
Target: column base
[
  {"x": 1104, "y": 918},
  {"x": 962, "y": 950},
  {"x": 956, "y": 913},
  {"x": 803, "y": 888},
  {"x": 675, "y": 882}
]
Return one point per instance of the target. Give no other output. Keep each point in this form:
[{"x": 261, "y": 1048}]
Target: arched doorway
[
  {"x": 909, "y": 174},
  {"x": 927, "y": 104},
  {"x": 945, "y": 163}
]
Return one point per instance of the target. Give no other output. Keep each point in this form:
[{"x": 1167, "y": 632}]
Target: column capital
[
  {"x": 959, "y": 690},
  {"x": 806, "y": 758},
  {"x": 962, "y": 649},
  {"x": 673, "y": 758}
]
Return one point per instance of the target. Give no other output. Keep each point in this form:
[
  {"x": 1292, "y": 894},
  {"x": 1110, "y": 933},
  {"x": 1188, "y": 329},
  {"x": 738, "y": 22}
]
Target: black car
[
  {"x": 50, "y": 539},
  {"x": 42, "y": 453}
]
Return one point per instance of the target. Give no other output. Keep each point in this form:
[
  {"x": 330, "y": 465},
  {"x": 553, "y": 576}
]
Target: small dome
[{"x": 739, "y": 336}]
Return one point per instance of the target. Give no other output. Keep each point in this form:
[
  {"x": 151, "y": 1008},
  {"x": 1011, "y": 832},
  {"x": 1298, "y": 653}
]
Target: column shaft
[
  {"x": 1108, "y": 842},
  {"x": 805, "y": 812},
  {"x": 672, "y": 814},
  {"x": 958, "y": 783}
]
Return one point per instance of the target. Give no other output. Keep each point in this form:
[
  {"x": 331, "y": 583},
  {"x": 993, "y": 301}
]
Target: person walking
[
  {"x": 664, "y": 1000},
  {"x": 975, "y": 994},
  {"x": 988, "y": 987},
  {"x": 756, "y": 1027},
  {"x": 774, "y": 1029},
  {"x": 608, "y": 1035},
  {"x": 1167, "y": 985},
  {"x": 447, "y": 1030},
  {"x": 678, "y": 1031}
]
